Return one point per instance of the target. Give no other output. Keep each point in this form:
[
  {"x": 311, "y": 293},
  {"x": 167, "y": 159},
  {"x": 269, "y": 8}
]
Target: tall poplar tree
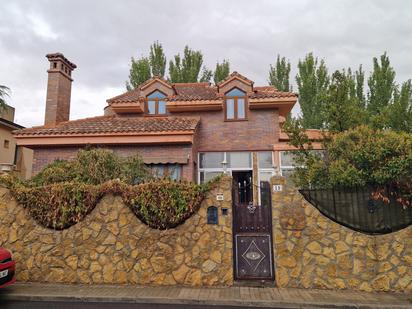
[
  {"x": 145, "y": 67},
  {"x": 206, "y": 75},
  {"x": 187, "y": 69},
  {"x": 139, "y": 72},
  {"x": 157, "y": 59},
  {"x": 400, "y": 112},
  {"x": 222, "y": 71},
  {"x": 279, "y": 74},
  {"x": 359, "y": 88},
  {"x": 313, "y": 81},
  {"x": 381, "y": 86},
  {"x": 342, "y": 109}
]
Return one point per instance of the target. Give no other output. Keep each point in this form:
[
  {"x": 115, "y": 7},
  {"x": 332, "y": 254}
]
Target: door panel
[
  {"x": 252, "y": 230},
  {"x": 254, "y": 256}
]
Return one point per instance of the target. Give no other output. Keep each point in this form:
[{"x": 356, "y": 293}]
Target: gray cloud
[{"x": 101, "y": 36}]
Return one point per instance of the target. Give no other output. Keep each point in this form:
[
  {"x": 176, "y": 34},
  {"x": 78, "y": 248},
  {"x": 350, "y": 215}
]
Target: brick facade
[
  {"x": 46, "y": 155},
  {"x": 128, "y": 130},
  {"x": 259, "y": 132}
]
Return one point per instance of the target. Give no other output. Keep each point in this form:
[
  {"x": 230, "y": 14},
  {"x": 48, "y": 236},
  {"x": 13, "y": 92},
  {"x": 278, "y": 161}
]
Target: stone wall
[
  {"x": 112, "y": 246},
  {"x": 312, "y": 251}
]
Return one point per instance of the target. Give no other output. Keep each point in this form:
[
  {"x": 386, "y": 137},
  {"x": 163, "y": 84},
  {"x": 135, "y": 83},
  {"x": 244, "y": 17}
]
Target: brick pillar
[{"x": 59, "y": 87}]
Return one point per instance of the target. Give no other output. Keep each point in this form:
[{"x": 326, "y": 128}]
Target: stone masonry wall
[
  {"x": 113, "y": 246},
  {"x": 312, "y": 251}
]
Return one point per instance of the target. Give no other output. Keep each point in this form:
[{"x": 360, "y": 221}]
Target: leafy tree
[
  {"x": 381, "y": 85},
  {"x": 206, "y": 75},
  {"x": 191, "y": 65},
  {"x": 279, "y": 74},
  {"x": 360, "y": 156},
  {"x": 187, "y": 69},
  {"x": 342, "y": 108},
  {"x": 175, "y": 70},
  {"x": 222, "y": 71},
  {"x": 360, "y": 81},
  {"x": 313, "y": 81},
  {"x": 400, "y": 112},
  {"x": 139, "y": 73},
  {"x": 4, "y": 92},
  {"x": 157, "y": 59}
]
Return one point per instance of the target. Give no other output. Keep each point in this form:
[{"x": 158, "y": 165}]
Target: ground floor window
[
  {"x": 172, "y": 171},
  {"x": 266, "y": 170},
  {"x": 212, "y": 164},
  {"x": 287, "y": 161}
]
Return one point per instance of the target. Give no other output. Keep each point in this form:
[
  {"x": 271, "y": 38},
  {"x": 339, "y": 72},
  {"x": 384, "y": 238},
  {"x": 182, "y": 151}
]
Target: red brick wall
[
  {"x": 259, "y": 132},
  {"x": 58, "y": 98},
  {"x": 44, "y": 156}
]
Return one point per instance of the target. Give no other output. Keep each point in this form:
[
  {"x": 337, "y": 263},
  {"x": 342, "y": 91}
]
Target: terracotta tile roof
[
  {"x": 201, "y": 92},
  {"x": 114, "y": 124},
  {"x": 194, "y": 92},
  {"x": 235, "y": 74},
  {"x": 270, "y": 92},
  {"x": 129, "y": 96},
  {"x": 154, "y": 78}
]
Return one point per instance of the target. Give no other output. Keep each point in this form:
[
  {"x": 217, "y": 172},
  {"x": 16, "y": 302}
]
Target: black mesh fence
[{"x": 356, "y": 209}]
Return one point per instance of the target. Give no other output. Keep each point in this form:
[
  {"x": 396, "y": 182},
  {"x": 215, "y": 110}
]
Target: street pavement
[{"x": 64, "y": 296}]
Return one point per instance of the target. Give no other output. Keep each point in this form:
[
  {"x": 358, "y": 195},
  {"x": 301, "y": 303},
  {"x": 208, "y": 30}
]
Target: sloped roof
[
  {"x": 235, "y": 75},
  {"x": 201, "y": 92},
  {"x": 114, "y": 124}
]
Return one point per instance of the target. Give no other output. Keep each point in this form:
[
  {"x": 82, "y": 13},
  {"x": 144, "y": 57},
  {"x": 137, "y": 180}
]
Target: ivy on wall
[{"x": 161, "y": 204}]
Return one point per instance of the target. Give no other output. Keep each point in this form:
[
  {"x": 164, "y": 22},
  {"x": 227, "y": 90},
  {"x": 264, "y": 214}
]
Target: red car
[{"x": 7, "y": 268}]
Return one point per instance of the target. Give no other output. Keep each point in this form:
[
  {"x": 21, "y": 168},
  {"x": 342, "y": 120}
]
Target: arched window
[
  {"x": 235, "y": 105},
  {"x": 155, "y": 104}
]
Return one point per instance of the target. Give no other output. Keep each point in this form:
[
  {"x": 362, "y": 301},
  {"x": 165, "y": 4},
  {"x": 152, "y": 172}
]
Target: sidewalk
[{"x": 221, "y": 297}]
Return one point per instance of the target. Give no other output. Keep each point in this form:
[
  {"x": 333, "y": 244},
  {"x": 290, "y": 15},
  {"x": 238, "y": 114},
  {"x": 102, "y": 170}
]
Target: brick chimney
[{"x": 59, "y": 86}]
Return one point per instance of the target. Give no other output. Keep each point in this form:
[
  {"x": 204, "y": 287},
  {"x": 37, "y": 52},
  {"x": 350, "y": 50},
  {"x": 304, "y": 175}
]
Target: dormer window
[
  {"x": 156, "y": 104},
  {"x": 235, "y": 105}
]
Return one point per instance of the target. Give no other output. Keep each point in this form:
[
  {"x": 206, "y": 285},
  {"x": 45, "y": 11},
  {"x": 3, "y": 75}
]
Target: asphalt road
[{"x": 100, "y": 305}]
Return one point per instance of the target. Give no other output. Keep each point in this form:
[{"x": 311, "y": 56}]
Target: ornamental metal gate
[{"x": 252, "y": 230}]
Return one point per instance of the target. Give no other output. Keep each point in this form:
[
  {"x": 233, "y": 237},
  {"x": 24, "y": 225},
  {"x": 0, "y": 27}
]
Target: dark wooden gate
[{"x": 252, "y": 231}]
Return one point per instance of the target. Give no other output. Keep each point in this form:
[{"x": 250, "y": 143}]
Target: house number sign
[
  {"x": 219, "y": 197},
  {"x": 277, "y": 188}
]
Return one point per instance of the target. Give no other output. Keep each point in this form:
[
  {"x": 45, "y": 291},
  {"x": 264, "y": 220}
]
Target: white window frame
[
  {"x": 227, "y": 170},
  {"x": 286, "y": 167},
  {"x": 265, "y": 169}
]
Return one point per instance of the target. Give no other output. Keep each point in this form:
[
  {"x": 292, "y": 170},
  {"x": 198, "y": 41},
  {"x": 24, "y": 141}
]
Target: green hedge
[{"x": 161, "y": 204}]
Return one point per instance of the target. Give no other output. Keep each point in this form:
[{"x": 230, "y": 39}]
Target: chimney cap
[{"x": 60, "y": 56}]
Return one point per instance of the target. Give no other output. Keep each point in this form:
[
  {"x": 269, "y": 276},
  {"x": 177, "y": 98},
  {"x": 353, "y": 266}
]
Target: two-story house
[{"x": 192, "y": 131}]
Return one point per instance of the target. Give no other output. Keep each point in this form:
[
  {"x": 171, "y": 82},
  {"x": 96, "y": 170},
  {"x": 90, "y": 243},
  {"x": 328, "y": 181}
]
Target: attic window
[
  {"x": 235, "y": 105},
  {"x": 155, "y": 104}
]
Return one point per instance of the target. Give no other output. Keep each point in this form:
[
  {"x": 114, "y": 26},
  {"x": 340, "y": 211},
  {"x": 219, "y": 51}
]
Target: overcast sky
[{"x": 101, "y": 36}]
